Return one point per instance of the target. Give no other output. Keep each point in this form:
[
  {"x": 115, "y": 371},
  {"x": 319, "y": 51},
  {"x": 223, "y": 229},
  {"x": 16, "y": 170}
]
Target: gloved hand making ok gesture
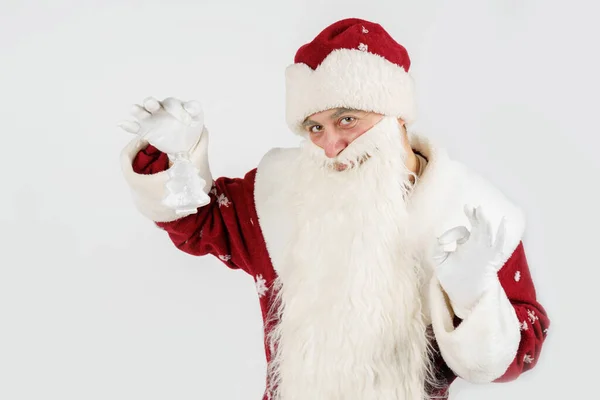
[{"x": 468, "y": 260}]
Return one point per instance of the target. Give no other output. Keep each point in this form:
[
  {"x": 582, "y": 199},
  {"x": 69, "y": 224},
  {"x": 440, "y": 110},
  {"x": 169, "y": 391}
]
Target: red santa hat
[{"x": 352, "y": 63}]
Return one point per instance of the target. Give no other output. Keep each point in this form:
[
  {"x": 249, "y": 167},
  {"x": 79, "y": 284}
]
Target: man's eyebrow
[
  {"x": 308, "y": 122},
  {"x": 341, "y": 111}
]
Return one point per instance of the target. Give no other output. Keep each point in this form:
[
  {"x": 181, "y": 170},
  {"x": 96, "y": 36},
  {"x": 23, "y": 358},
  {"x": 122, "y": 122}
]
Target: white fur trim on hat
[{"x": 352, "y": 79}]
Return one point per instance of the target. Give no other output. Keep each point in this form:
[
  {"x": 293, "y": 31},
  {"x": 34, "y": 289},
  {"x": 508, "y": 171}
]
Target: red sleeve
[
  {"x": 224, "y": 228},
  {"x": 516, "y": 280}
]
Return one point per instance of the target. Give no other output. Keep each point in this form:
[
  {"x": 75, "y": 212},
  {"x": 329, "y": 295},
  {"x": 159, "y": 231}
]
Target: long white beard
[{"x": 350, "y": 322}]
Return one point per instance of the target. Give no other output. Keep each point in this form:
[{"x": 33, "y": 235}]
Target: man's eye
[
  {"x": 316, "y": 128},
  {"x": 347, "y": 120}
]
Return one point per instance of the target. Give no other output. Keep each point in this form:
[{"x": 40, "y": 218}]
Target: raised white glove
[
  {"x": 468, "y": 262},
  {"x": 173, "y": 127}
]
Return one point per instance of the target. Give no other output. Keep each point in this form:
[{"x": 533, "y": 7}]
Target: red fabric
[
  {"x": 349, "y": 34},
  {"x": 150, "y": 161},
  {"x": 515, "y": 278},
  {"x": 228, "y": 229}
]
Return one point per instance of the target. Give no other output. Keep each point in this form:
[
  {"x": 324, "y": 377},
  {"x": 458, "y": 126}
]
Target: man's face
[{"x": 333, "y": 130}]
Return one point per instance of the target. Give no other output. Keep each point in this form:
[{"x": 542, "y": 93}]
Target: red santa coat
[{"x": 244, "y": 226}]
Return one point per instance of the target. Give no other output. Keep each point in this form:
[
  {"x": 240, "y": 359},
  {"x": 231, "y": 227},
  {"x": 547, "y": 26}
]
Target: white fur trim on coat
[
  {"x": 149, "y": 190},
  {"x": 275, "y": 218},
  {"x": 351, "y": 79},
  {"x": 484, "y": 345}
]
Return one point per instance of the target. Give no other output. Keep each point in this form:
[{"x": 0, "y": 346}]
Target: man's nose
[{"x": 334, "y": 144}]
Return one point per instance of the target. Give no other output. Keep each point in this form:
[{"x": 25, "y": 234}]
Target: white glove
[
  {"x": 171, "y": 126},
  {"x": 174, "y": 128},
  {"x": 468, "y": 262}
]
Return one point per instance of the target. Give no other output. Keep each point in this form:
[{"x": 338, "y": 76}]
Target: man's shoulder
[
  {"x": 278, "y": 155},
  {"x": 272, "y": 171},
  {"x": 455, "y": 176},
  {"x": 447, "y": 185},
  {"x": 276, "y": 163}
]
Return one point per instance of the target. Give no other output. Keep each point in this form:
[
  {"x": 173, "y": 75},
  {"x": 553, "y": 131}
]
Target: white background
[{"x": 96, "y": 303}]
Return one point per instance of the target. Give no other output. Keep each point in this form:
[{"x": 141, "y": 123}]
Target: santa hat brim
[{"x": 348, "y": 78}]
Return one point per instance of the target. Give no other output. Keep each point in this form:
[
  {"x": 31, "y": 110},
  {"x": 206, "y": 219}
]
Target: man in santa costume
[{"x": 384, "y": 268}]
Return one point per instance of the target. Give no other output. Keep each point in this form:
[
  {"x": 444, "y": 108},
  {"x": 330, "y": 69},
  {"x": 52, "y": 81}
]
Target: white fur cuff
[
  {"x": 484, "y": 345},
  {"x": 149, "y": 190}
]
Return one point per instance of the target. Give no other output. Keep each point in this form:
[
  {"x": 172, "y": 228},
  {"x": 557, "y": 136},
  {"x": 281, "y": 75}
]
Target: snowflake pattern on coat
[
  {"x": 223, "y": 200},
  {"x": 524, "y": 326},
  {"x": 261, "y": 285},
  {"x": 531, "y": 315}
]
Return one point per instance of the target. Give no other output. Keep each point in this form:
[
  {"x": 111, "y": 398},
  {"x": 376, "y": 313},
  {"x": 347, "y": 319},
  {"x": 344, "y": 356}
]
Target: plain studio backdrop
[{"x": 97, "y": 303}]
